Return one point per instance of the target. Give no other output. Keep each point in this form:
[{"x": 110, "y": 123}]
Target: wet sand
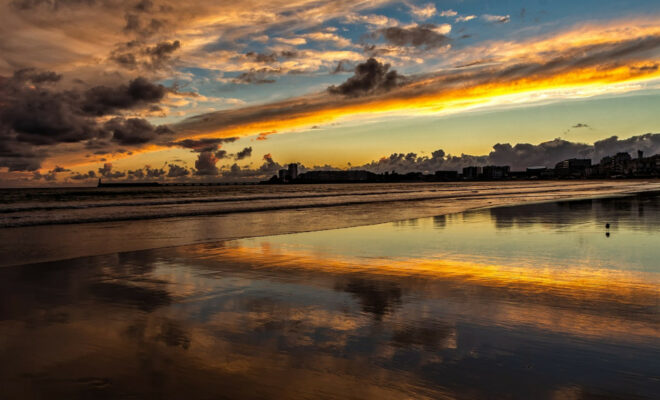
[
  {"x": 532, "y": 301},
  {"x": 50, "y": 242}
]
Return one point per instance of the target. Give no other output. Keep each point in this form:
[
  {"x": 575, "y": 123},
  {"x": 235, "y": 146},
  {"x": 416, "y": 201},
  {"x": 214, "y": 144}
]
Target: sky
[{"x": 225, "y": 90}]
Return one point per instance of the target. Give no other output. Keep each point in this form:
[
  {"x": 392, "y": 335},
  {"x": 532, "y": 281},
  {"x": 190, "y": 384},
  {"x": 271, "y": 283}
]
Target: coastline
[
  {"x": 56, "y": 242},
  {"x": 512, "y": 291}
]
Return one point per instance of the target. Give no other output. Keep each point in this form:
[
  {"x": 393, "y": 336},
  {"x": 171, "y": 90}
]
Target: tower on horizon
[{"x": 293, "y": 171}]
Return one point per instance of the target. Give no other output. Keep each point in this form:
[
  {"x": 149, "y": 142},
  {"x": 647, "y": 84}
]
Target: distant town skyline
[{"x": 136, "y": 89}]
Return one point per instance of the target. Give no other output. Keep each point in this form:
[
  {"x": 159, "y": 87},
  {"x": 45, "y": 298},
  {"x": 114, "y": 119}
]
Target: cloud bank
[
  {"x": 518, "y": 156},
  {"x": 36, "y": 116}
]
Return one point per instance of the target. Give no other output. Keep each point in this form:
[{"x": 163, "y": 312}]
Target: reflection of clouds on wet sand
[
  {"x": 261, "y": 319},
  {"x": 580, "y": 301}
]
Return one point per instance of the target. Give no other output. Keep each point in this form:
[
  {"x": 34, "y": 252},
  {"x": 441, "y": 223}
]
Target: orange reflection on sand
[
  {"x": 579, "y": 300},
  {"x": 575, "y": 282}
]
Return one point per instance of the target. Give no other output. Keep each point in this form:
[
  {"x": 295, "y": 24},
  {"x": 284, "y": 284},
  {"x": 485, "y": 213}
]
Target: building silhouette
[
  {"x": 446, "y": 175},
  {"x": 495, "y": 172},
  {"x": 471, "y": 172},
  {"x": 620, "y": 165},
  {"x": 337, "y": 176},
  {"x": 574, "y": 167},
  {"x": 292, "y": 173}
]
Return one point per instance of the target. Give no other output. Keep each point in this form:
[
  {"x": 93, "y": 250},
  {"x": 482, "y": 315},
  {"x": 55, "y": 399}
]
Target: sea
[
  {"x": 512, "y": 290},
  {"x": 60, "y": 223}
]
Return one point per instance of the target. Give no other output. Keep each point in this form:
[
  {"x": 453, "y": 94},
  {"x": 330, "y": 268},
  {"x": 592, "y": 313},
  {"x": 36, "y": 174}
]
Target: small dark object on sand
[{"x": 607, "y": 225}]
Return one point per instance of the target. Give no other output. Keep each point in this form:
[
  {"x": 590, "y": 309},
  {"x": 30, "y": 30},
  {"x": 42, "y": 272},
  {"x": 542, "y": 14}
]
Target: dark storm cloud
[
  {"x": 103, "y": 100},
  {"x": 648, "y": 143},
  {"x": 206, "y": 164},
  {"x": 102, "y": 146},
  {"x": 125, "y": 59},
  {"x": 50, "y": 175},
  {"x": 424, "y": 36},
  {"x": 106, "y": 172},
  {"x": 176, "y": 171},
  {"x": 154, "y": 172},
  {"x": 201, "y": 145},
  {"x": 518, "y": 156},
  {"x": 208, "y": 156},
  {"x": 524, "y": 155},
  {"x": 35, "y": 116},
  {"x": 135, "y": 54},
  {"x": 39, "y": 116},
  {"x": 164, "y": 49},
  {"x": 160, "y": 55},
  {"x": 143, "y": 25},
  {"x": 134, "y": 131},
  {"x": 17, "y": 156},
  {"x": 21, "y": 163},
  {"x": 144, "y": 6},
  {"x": 58, "y": 169},
  {"x": 137, "y": 174},
  {"x": 265, "y": 171},
  {"x": 369, "y": 77},
  {"x": 245, "y": 153},
  {"x": 81, "y": 177}
]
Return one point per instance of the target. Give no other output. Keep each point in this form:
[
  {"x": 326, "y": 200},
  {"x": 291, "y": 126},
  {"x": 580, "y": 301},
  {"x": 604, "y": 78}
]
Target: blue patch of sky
[
  {"x": 527, "y": 19},
  {"x": 530, "y": 18}
]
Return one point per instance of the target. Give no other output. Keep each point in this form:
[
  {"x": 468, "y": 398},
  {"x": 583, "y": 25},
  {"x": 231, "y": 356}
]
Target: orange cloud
[
  {"x": 619, "y": 56},
  {"x": 585, "y": 61},
  {"x": 442, "y": 93},
  {"x": 264, "y": 135}
]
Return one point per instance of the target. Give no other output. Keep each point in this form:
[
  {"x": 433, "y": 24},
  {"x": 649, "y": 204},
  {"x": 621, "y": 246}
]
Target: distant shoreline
[
  {"x": 269, "y": 207},
  {"x": 156, "y": 184}
]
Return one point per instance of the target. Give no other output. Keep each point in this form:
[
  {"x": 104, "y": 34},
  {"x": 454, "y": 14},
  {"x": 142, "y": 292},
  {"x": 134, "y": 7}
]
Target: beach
[
  {"x": 39, "y": 225},
  {"x": 326, "y": 199},
  {"x": 516, "y": 301}
]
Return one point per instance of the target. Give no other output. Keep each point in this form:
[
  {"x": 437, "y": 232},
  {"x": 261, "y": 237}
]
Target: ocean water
[
  {"x": 553, "y": 300},
  {"x": 53, "y": 224}
]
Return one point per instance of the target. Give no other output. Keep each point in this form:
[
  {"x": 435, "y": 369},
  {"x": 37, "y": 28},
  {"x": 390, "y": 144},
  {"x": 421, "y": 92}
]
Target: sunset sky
[{"x": 232, "y": 90}]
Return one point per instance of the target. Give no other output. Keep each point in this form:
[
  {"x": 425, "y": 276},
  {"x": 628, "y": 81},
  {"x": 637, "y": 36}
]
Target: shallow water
[
  {"x": 53, "y": 224},
  {"x": 533, "y": 301}
]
